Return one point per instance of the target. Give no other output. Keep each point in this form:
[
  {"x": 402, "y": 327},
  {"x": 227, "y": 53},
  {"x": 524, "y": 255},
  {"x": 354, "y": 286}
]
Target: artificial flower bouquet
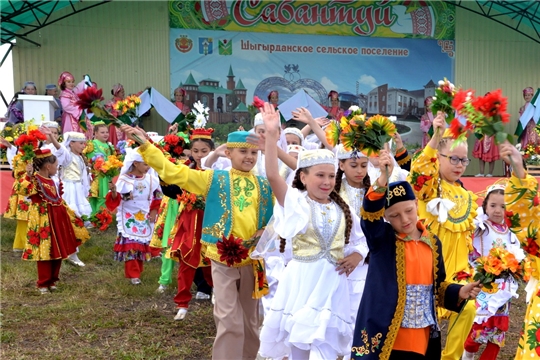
[
  {"x": 101, "y": 219},
  {"x": 503, "y": 264},
  {"x": 531, "y": 154},
  {"x": 191, "y": 201}
]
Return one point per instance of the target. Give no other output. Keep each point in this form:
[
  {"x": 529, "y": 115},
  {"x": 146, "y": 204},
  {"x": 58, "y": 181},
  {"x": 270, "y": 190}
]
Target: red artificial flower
[
  {"x": 231, "y": 250},
  {"x": 456, "y": 128},
  {"x": 461, "y": 98},
  {"x": 257, "y": 102},
  {"x": 171, "y": 139},
  {"x": 493, "y": 104},
  {"x": 178, "y": 150},
  {"x": 462, "y": 275},
  {"x": 89, "y": 97},
  {"x": 36, "y": 134},
  {"x": 536, "y": 201}
]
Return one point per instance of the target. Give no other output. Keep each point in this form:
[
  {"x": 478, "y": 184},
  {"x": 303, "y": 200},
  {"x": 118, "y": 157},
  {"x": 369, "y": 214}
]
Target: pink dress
[
  {"x": 529, "y": 135},
  {"x": 183, "y": 107},
  {"x": 335, "y": 112},
  {"x": 115, "y": 135},
  {"x": 486, "y": 150},
  {"x": 72, "y": 113},
  {"x": 425, "y": 124}
]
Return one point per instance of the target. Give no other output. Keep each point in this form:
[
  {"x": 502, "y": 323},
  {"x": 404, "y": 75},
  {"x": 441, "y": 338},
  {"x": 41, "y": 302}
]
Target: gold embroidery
[
  {"x": 404, "y": 160},
  {"x": 400, "y": 308},
  {"x": 397, "y": 191},
  {"x": 371, "y": 216},
  {"x": 365, "y": 349}
]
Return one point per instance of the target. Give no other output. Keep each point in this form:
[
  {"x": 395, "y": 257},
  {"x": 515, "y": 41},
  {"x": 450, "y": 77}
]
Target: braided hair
[
  {"x": 334, "y": 196},
  {"x": 366, "y": 182},
  {"x": 38, "y": 163}
]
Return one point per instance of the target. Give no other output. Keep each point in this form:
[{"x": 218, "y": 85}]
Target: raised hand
[
  {"x": 303, "y": 115},
  {"x": 439, "y": 122},
  {"x": 173, "y": 129},
  {"x": 5, "y": 142},
  {"x": 398, "y": 141},
  {"x": 45, "y": 131},
  {"x": 512, "y": 156},
  {"x": 134, "y": 134},
  {"x": 270, "y": 118},
  {"x": 257, "y": 139}
]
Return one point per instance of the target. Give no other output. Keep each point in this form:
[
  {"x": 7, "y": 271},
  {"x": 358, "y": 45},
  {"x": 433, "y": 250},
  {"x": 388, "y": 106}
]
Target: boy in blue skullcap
[
  {"x": 238, "y": 203},
  {"x": 406, "y": 278}
]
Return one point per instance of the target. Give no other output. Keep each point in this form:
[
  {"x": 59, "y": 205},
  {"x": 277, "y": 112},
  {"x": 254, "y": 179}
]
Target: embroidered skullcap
[
  {"x": 50, "y": 124},
  {"x": 181, "y": 90},
  {"x": 50, "y": 87},
  {"x": 343, "y": 154},
  {"x": 397, "y": 192},
  {"x": 70, "y": 136},
  {"x": 29, "y": 83},
  {"x": 310, "y": 158},
  {"x": 42, "y": 153},
  {"x": 295, "y": 149},
  {"x": 294, "y": 131},
  {"x": 258, "y": 120},
  {"x": 238, "y": 139},
  {"x": 528, "y": 90},
  {"x": 495, "y": 187},
  {"x": 132, "y": 155},
  {"x": 63, "y": 76}
]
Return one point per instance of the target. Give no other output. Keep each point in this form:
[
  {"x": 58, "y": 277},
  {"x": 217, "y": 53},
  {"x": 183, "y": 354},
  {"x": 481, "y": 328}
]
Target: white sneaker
[
  {"x": 135, "y": 281},
  {"x": 213, "y": 299},
  {"x": 44, "y": 291},
  {"x": 479, "y": 175},
  {"x": 88, "y": 225},
  {"x": 161, "y": 289},
  {"x": 181, "y": 314},
  {"x": 489, "y": 175},
  {"x": 467, "y": 355},
  {"x": 74, "y": 259},
  {"x": 53, "y": 288},
  {"x": 202, "y": 296}
]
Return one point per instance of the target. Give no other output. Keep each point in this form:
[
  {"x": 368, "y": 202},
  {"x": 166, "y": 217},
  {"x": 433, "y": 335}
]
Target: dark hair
[
  {"x": 480, "y": 232},
  {"x": 63, "y": 85},
  {"x": 97, "y": 126},
  {"x": 366, "y": 182},
  {"x": 38, "y": 163},
  {"x": 334, "y": 196},
  {"x": 208, "y": 142}
]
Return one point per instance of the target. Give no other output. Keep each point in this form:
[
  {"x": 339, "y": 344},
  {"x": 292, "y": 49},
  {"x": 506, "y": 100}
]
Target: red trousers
[
  {"x": 48, "y": 272},
  {"x": 133, "y": 269},
  {"x": 186, "y": 274},
  {"x": 490, "y": 352}
]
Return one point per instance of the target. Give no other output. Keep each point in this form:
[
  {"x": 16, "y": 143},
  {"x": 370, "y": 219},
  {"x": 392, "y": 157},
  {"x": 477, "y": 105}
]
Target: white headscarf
[
  {"x": 72, "y": 136},
  {"x": 132, "y": 155}
]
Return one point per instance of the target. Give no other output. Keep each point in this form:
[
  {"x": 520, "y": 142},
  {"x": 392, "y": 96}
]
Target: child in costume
[
  {"x": 402, "y": 163},
  {"x": 310, "y": 315},
  {"x": 523, "y": 212},
  {"x": 241, "y": 206},
  {"x": 18, "y": 205},
  {"x": 426, "y": 120},
  {"x": 186, "y": 245},
  {"x": 449, "y": 212},
  {"x": 406, "y": 259},
  {"x": 118, "y": 93},
  {"x": 138, "y": 194},
  {"x": 76, "y": 180},
  {"x": 68, "y": 97},
  {"x": 493, "y": 305},
  {"x": 486, "y": 151},
  {"x": 179, "y": 96},
  {"x": 54, "y": 232},
  {"x": 99, "y": 147},
  {"x": 529, "y": 135},
  {"x": 273, "y": 98},
  {"x": 15, "y": 109},
  {"x": 334, "y": 110}
]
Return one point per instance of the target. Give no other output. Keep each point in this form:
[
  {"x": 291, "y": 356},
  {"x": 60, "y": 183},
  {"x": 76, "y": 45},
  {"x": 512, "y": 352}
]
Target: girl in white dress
[
  {"x": 137, "y": 195},
  {"x": 310, "y": 315}
]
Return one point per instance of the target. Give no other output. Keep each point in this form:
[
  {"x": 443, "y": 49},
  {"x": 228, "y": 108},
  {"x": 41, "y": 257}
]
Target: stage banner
[
  {"x": 395, "y": 19},
  {"x": 224, "y": 69}
]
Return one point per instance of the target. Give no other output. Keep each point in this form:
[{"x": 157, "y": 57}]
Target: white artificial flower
[
  {"x": 392, "y": 118},
  {"x": 441, "y": 82},
  {"x": 354, "y": 108},
  {"x": 434, "y": 98},
  {"x": 200, "y": 121},
  {"x": 200, "y": 108}
]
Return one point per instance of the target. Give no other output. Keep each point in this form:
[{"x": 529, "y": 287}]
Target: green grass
[{"x": 96, "y": 313}]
